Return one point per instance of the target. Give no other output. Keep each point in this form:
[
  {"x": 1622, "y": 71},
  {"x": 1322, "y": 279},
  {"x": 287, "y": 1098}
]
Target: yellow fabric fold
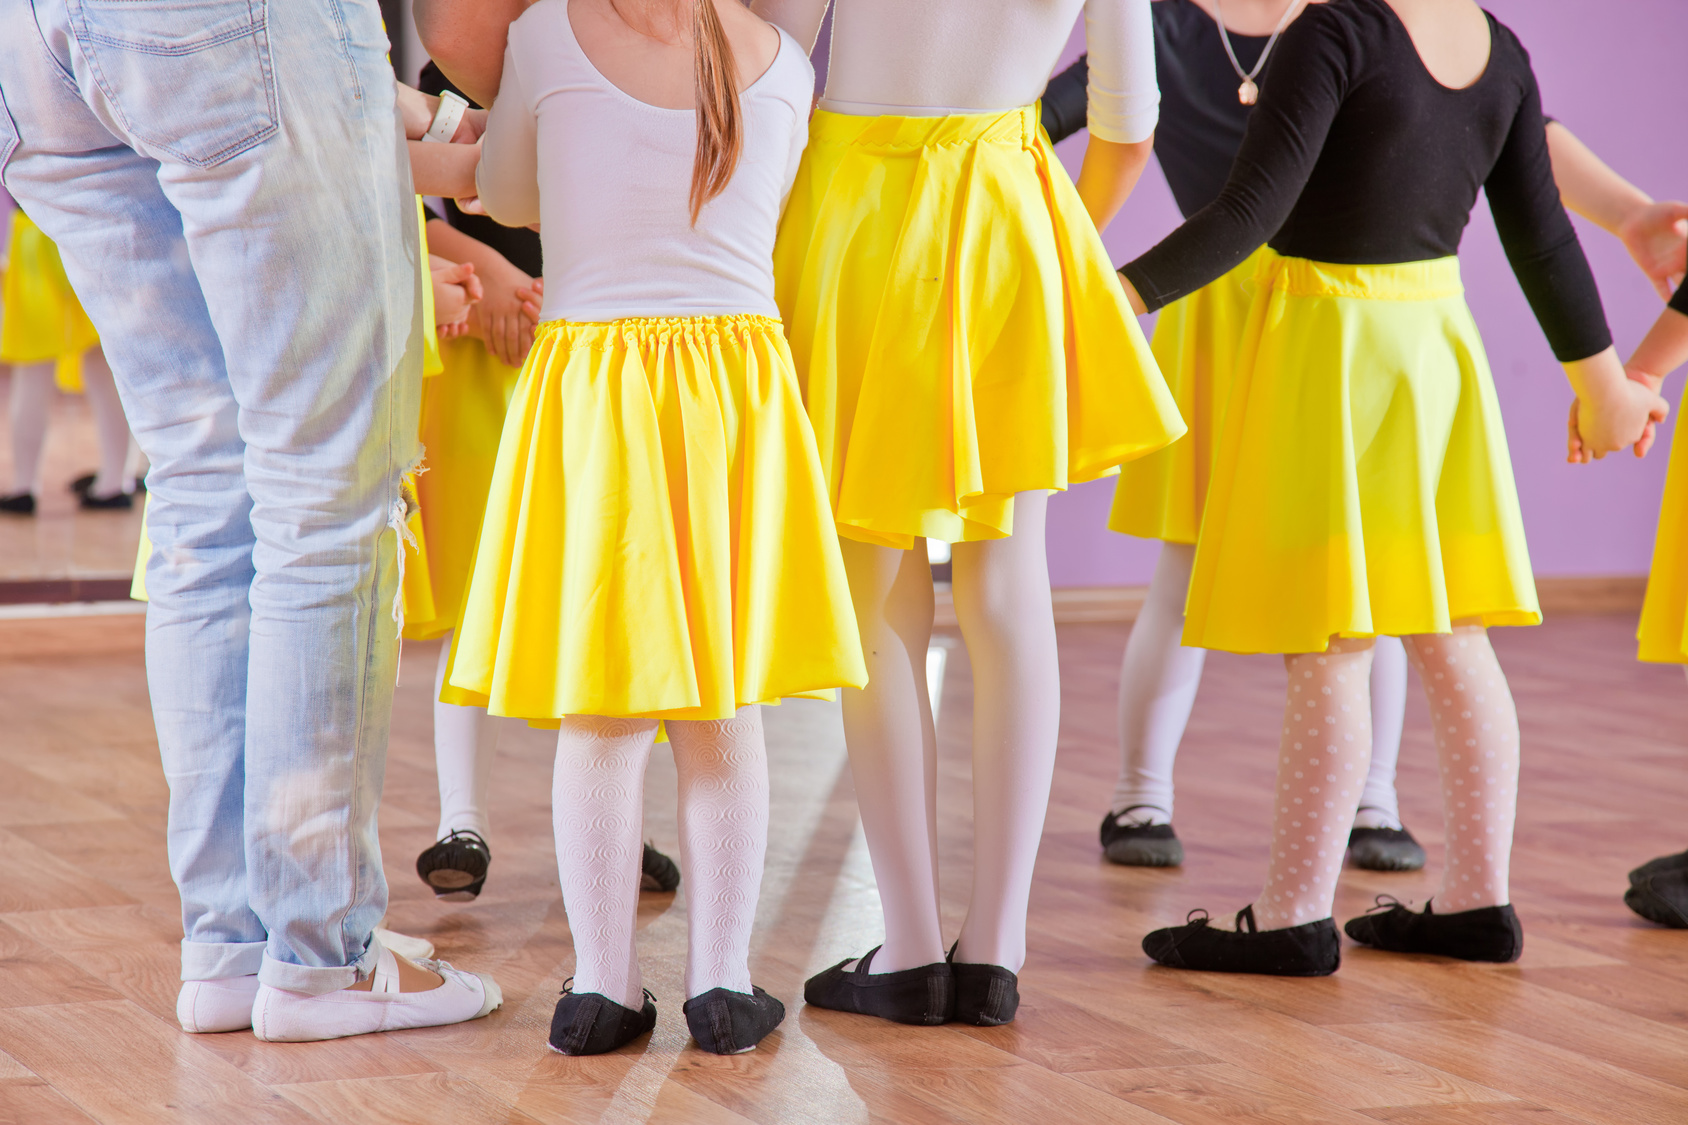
[
  {"x": 40, "y": 317},
  {"x": 657, "y": 539},
  {"x": 958, "y": 330},
  {"x": 1363, "y": 485},
  {"x": 1196, "y": 341},
  {"x": 1663, "y": 632}
]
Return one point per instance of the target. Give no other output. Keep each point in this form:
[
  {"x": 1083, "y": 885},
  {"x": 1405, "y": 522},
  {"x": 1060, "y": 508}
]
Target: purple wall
[{"x": 1610, "y": 70}]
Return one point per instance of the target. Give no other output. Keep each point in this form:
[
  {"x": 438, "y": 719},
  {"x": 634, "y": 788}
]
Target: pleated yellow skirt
[
  {"x": 958, "y": 330},
  {"x": 1663, "y": 634},
  {"x": 1363, "y": 485},
  {"x": 463, "y": 410},
  {"x": 1196, "y": 342},
  {"x": 657, "y": 539},
  {"x": 40, "y": 317}
]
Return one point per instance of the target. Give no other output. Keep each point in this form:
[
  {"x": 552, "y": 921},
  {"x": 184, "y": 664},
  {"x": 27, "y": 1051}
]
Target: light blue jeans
[{"x": 227, "y": 183}]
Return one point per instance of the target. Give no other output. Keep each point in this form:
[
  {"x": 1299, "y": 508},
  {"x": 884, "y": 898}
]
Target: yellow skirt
[
  {"x": 463, "y": 411},
  {"x": 1195, "y": 342},
  {"x": 40, "y": 317},
  {"x": 657, "y": 540},
  {"x": 958, "y": 330},
  {"x": 1363, "y": 485},
  {"x": 1663, "y": 633}
]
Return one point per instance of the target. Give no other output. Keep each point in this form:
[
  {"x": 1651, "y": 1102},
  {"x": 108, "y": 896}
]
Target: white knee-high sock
[
  {"x": 1157, "y": 687},
  {"x": 1477, "y": 748},
  {"x": 1379, "y": 806},
  {"x": 1321, "y": 765},
  {"x": 723, "y": 774},
  {"x": 32, "y": 394},
  {"x": 1003, "y": 605},
  {"x": 110, "y": 424},
  {"x": 597, "y": 813},
  {"x": 893, "y": 749},
  {"x": 465, "y": 742}
]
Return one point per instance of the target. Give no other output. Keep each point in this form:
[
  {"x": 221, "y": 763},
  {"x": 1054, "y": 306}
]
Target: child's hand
[
  {"x": 1611, "y": 414},
  {"x": 533, "y": 299},
  {"x": 456, "y": 292},
  {"x": 1657, "y": 238},
  {"x": 502, "y": 319}
]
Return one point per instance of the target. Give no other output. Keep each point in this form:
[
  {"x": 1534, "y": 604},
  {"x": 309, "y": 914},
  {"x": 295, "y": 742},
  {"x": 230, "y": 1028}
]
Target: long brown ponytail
[{"x": 720, "y": 133}]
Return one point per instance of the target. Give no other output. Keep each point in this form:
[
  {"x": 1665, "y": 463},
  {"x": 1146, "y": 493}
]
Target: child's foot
[
  {"x": 1661, "y": 897},
  {"x": 398, "y": 995},
  {"x": 729, "y": 1023},
  {"x": 986, "y": 995},
  {"x": 456, "y": 865},
  {"x": 208, "y": 1006},
  {"x": 921, "y": 995},
  {"x": 1308, "y": 950},
  {"x": 1489, "y": 933},
  {"x": 1380, "y": 842},
  {"x": 411, "y": 948},
  {"x": 1141, "y": 836},
  {"x": 658, "y": 873},
  {"x": 590, "y": 1023},
  {"x": 1675, "y": 862},
  {"x": 18, "y": 503}
]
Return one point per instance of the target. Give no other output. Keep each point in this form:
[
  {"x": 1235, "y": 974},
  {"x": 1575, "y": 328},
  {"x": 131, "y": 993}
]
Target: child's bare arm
[
  {"x": 444, "y": 170},
  {"x": 505, "y": 317}
]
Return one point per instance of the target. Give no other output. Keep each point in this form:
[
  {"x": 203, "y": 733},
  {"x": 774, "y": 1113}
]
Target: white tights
[
  {"x": 465, "y": 742},
  {"x": 1002, "y": 602},
  {"x": 1158, "y": 682},
  {"x": 1322, "y": 759},
  {"x": 597, "y": 811},
  {"x": 32, "y": 396}
]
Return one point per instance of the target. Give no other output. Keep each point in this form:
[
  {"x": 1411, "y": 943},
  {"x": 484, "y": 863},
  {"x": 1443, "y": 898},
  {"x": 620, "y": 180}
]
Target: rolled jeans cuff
[
  {"x": 219, "y": 960},
  {"x": 315, "y": 980}
]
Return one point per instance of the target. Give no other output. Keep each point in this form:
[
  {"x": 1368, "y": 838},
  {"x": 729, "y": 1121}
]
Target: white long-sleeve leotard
[
  {"x": 611, "y": 177},
  {"x": 927, "y": 57}
]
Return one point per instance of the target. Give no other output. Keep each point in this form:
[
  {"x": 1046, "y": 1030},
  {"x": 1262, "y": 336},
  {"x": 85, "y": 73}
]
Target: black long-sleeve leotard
[{"x": 1363, "y": 158}]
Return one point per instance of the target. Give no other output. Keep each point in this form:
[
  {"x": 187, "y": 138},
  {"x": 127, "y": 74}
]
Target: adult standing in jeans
[{"x": 226, "y": 181}]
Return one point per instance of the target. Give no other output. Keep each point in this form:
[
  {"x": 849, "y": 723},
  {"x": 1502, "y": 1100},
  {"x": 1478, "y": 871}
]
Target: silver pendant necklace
[{"x": 1249, "y": 93}]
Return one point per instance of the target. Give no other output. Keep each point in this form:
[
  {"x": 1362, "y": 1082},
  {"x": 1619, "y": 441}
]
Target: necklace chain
[{"x": 1247, "y": 92}]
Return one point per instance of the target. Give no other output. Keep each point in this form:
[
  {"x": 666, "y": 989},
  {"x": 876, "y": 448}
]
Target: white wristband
[{"x": 446, "y": 118}]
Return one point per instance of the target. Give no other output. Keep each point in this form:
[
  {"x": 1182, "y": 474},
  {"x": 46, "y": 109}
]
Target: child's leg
[
  {"x": 1477, "y": 750},
  {"x": 723, "y": 775},
  {"x": 465, "y": 741},
  {"x": 32, "y": 394},
  {"x": 1157, "y": 688},
  {"x": 1002, "y": 602},
  {"x": 1322, "y": 760},
  {"x": 597, "y": 813},
  {"x": 1379, "y": 806},
  {"x": 109, "y": 424},
  {"x": 893, "y": 749}
]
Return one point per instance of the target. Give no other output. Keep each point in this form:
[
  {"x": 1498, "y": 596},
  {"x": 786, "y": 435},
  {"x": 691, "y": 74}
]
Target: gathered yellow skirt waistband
[
  {"x": 641, "y": 329},
  {"x": 1433, "y": 279},
  {"x": 1010, "y": 126}
]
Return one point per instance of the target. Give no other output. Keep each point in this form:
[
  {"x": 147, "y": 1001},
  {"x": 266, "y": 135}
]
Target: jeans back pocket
[{"x": 190, "y": 80}]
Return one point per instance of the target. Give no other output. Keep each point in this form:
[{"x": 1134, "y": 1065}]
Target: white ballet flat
[
  {"x": 279, "y": 1016},
  {"x": 208, "y": 1006}
]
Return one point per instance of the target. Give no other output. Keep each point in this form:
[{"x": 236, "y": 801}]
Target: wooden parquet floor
[{"x": 1592, "y": 1025}]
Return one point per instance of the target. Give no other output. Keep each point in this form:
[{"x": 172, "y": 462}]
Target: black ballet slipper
[
  {"x": 590, "y": 1023},
  {"x": 658, "y": 873},
  {"x": 456, "y": 866},
  {"x": 1308, "y": 950},
  {"x": 1147, "y": 845},
  {"x": 1385, "y": 849},
  {"x": 1661, "y": 897},
  {"x": 18, "y": 503},
  {"x": 1489, "y": 933},
  {"x": 986, "y": 995},
  {"x": 729, "y": 1023},
  {"x": 1677, "y": 862},
  {"x": 116, "y": 502},
  {"x": 924, "y": 995}
]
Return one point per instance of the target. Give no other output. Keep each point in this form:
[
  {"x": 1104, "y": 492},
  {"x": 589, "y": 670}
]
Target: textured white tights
[
  {"x": 1477, "y": 748},
  {"x": 723, "y": 775},
  {"x": 1002, "y": 602},
  {"x": 1322, "y": 759},
  {"x": 1158, "y": 682},
  {"x": 110, "y": 425},
  {"x": 32, "y": 393},
  {"x": 465, "y": 742},
  {"x": 597, "y": 814},
  {"x": 1325, "y": 738}
]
